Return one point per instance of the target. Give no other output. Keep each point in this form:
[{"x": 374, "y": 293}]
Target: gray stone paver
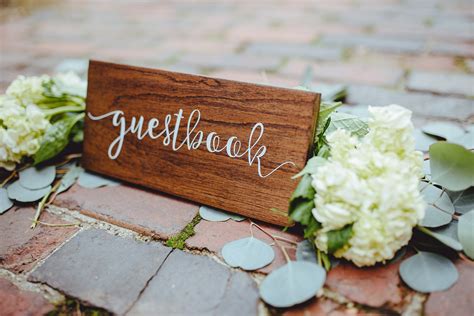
[
  {"x": 101, "y": 269},
  {"x": 447, "y": 83},
  {"x": 189, "y": 284},
  {"x": 422, "y": 104}
]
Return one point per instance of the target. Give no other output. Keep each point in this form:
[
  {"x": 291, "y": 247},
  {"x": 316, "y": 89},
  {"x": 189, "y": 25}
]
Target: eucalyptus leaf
[
  {"x": 248, "y": 253},
  {"x": 69, "y": 178},
  {"x": 213, "y": 215},
  {"x": 450, "y": 230},
  {"x": 463, "y": 200},
  {"x": 348, "y": 122},
  {"x": 428, "y": 272},
  {"x": 426, "y": 169},
  {"x": 466, "y": 233},
  {"x": 466, "y": 140},
  {"x": 17, "y": 192},
  {"x": 444, "y": 130},
  {"x": 311, "y": 166},
  {"x": 36, "y": 178},
  {"x": 440, "y": 208},
  {"x": 5, "y": 202},
  {"x": 56, "y": 138},
  {"x": 305, "y": 251},
  {"x": 339, "y": 238},
  {"x": 293, "y": 283},
  {"x": 92, "y": 181},
  {"x": 422, "y": 140},
  {"x": 452, "y": 166},
  {"x": 444, "y": 239}
]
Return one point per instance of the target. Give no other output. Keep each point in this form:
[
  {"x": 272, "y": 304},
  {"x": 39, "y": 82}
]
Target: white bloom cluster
[
  {"x": 27, "y": 90},
  {"x": 371, "y": 183},
  {"x": 22, "y": 121},
  {"x": 21, "y": 129},
  {"x": 69, "y": 83}
]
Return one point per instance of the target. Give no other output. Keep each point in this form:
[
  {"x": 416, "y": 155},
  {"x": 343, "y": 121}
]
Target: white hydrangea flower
[
  {"x": 371, "y": 183},
  {"x": 27, "y": 90},
  {"x": 21, "y": 130},
  {"x": 69, "y": 83}
]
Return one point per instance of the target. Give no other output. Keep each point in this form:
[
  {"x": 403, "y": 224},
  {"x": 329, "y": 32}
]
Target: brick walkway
[{"x": 419, "y": 54}]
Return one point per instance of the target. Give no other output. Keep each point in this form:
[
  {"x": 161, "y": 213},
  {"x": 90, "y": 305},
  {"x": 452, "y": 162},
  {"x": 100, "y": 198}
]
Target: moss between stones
[
  {"x": 74, "y": 307},
  {"x": 177, "y": 241}
]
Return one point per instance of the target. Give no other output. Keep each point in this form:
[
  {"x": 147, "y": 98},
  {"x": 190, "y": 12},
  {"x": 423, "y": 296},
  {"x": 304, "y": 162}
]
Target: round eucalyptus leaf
[
  {"x": 466, "y": 140},
  {"x": 34, "y": 178},
  {"x": 440, "y": 208},
  {"x": 428, "y": 272},
  {"x": 451, "y": 166},
  {"x": 423, "y": 141},
  {"x": 92, "y": 181},
  {"x": 450, "y": 230},
  {"x": 5, "y": 202},
  {"x": 463, "y": 200},
  {"x": 293, "y": 283},
  {"x": 17, "y": 192},
  {"x": 466, "y": 233},
  {"x": 213, "y": 215},
  {"x": 69, "y": 178},
  {"x": 446, "y": 240},
  {"x": 444, "y": 130},
  {"x": 426, "y": 169},
  {"x": 248, "y": 253},
  {"x": 305, "y": 251}
]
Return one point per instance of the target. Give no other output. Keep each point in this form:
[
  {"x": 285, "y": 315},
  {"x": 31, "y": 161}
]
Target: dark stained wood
[{"x": 228, "y": 108}]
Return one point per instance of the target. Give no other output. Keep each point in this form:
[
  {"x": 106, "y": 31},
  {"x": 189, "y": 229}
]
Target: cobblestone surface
[
  {"x": 20, "y": 246},
  {"x": 419, "y": 54}
]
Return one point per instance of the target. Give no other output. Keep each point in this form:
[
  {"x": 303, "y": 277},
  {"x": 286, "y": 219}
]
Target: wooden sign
[{"x": 226, "y": 144}]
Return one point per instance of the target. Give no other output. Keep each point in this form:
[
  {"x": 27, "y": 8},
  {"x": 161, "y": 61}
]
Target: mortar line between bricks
[{"x": 147, "y": 283}]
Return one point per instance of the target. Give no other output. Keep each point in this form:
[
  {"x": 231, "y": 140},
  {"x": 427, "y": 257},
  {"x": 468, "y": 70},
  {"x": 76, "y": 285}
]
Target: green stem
[
  {"x": 42, "y": 203},
  {"x": 63, "y": 109}
]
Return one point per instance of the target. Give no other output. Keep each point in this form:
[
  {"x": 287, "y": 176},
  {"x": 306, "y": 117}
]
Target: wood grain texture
[{"x": 228, "y": 108}]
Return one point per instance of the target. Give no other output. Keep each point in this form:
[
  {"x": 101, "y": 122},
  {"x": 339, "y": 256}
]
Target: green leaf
[
  {"x": 304, "y": 189},
  {"x": 452, "y": 166},
  {"x": 339, "y": 238},
  {"x": 348, "y": 122},
  {"x": 466, "y": 233},
  {"x": 56, "y": 138},
  {"x": 312, "y": 228},
  {"x": 428, "y": 272},
  {"x": 311, "y": 166},
  {"x": 325, "y": 111},
  {"x": 301, "y": 211}
]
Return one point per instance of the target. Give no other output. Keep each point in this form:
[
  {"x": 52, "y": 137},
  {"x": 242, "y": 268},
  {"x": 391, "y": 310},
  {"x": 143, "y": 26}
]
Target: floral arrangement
[
  {"x": 39, "y": 116},
  {"x": 364, "y": 196}
]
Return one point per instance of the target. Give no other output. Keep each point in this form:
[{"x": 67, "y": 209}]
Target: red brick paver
[
  {"x": 16, "y": 302},
  {"x": 147, "y": 212},
  {"x": 214, "y": 235},
  {"x": 20, "y": 246}
]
